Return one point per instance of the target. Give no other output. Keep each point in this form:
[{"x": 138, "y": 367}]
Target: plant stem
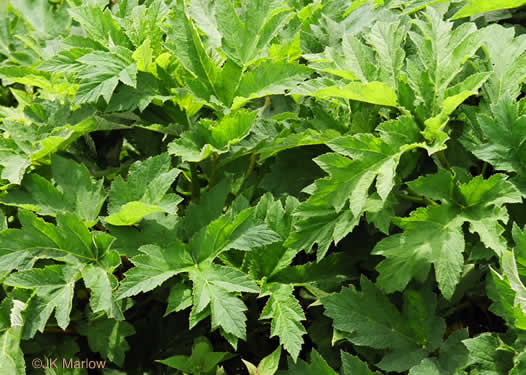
[
  {"x": 212, "y": 180},
  {"x": 484, "y": 169},
  {"x": 417, "y": 199},
  {"x": 251, "y": 165},
  {"x": 442, "y": 160},
  {"x": 196, "y": 187}
]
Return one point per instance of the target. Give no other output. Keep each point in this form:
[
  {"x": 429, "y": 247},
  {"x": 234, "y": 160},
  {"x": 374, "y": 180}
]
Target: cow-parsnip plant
[{"x": 294, "y": 187}]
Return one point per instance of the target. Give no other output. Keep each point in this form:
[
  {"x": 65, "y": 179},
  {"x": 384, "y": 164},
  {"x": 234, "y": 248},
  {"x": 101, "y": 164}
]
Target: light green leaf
[
  {"x": 484, "y": 353},
  {"x": 101, "y": 72},
  {"x": 372, "y": 92},
  {"x": 143, "y": 24},
  {"x": 483, "y": 6}
]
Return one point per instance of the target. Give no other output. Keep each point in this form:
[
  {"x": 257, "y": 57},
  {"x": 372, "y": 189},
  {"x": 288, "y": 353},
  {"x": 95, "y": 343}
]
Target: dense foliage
[{"x": 294, "y": 187}]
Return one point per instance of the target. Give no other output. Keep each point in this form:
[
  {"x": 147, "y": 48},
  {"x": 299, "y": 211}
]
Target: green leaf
[
  {"x": 157, "y": 229},
  {"x": 240, "y": 231},
  {"x": 179, "y": 299},
  {"x": 332, "y": 267},
  {"x": 318, "y": 366},
  {"x": 484, "y": 354},
  {"x": 434, "y": 234},
  {"x": 144, "y": 192},
  {"x": 184, "y": 41},
  {"x": 431, "y": 235},
  {"x": 337, "y": 202},
  {"x": 369, "y": 319},
  {"x": 210, "y": 207},
  {"x": 100, "y": 26},
  {"x": 153, "y": 267},
  {"x": 518, "y": 290},
  {"x": 101, "y": 72},
  {"x": 202, "y": 361},
  {"x": 286, "y": 314},
  {"x": 308, "y": 137},
  {"x": 12, "y": 357},
  {"x": 352, "y": 60},
  {"x": 502, "y": 140},
  {"x": 246, "y": 35},
  {"x": 269, "y": 260},
  {"x": 441, "y": 54},
  {"x": 353, "y": 365},
  {"x": 207, "y": 137},
  {"x": 505, "y": 52},
  {"x": 76, "y": 191},
  {"x": 108, "y": 337},
  {"x": 53, "y": 287},
  {"x": 269, "y": 78},
  {"x": 69, "y": 241},
  {"x": 267, "y": 366},
  {"x": 43, "y": 17},
  {"x": 214, "y": 285},
  {"x": 143, "y": 24},
  {"x": 427, "y": 366},
  {"x": 102, "y": 283}
]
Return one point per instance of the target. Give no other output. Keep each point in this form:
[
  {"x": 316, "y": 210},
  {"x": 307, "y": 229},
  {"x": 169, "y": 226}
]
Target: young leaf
[
  {"x": 482, "y": 6},
  {"x": 267, "y": 366}
]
